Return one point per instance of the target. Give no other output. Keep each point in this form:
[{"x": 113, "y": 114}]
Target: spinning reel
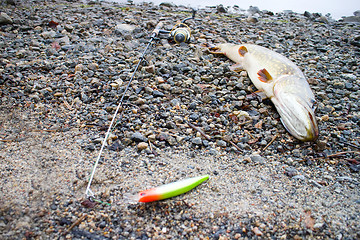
[{"x": 180, "y": 33}]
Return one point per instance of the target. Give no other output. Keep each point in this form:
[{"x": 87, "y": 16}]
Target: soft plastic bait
[{"x": 170, "y": 190}]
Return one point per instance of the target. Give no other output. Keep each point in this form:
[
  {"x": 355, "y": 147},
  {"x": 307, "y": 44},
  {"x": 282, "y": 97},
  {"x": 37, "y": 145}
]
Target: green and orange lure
[{"x": 170, "y": 190}]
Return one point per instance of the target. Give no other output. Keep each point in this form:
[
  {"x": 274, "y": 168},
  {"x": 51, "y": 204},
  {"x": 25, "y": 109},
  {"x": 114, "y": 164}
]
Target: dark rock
[
  {"x": 167, "y": 4},
  {"x": 197, "y": 141},
  {"x": 308, "y": 14},
  {"x": 162, "y": 136},
  {"x": 221, "y": 143},
  {"x": 138, "y": 137},
  {"x": 157, "y": 93},
  {"x": 221, "y": 9},
  {"x": 194, "y": 116},
  {"x": 5, "y": 19},
  {"x": 116, "y": 146}
]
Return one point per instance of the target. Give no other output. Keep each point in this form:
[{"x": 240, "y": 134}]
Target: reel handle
[{"x": 157, "y": 29}]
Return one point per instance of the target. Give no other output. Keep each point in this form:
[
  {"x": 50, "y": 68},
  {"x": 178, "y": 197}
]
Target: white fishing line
[{"x": 88, "y": 192}]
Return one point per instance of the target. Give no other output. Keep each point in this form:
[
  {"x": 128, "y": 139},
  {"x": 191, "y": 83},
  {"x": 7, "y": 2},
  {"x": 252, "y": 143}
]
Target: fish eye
[{"x": 142, "y": 194}]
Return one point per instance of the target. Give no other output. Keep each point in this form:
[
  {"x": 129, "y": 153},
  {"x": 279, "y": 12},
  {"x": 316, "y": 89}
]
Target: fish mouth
[{"x": 297, "y": 116}]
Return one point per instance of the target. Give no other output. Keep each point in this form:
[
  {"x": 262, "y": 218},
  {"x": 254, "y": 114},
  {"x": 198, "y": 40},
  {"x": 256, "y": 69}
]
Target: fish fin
[
  {"x": 260, "y": 95},
  {"x": 236, "y": 67},
  {"x": 264, "y": 75},
  {"x": 213, "y": 49},
  {"x": 242, "y": 51}
]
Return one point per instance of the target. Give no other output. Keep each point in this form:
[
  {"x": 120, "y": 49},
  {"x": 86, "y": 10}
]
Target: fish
[
  {"x": 169, "y": 190},
  {"x": 279, "y": 79}
]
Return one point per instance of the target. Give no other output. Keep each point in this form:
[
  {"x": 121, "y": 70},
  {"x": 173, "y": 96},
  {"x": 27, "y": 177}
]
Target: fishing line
[
  {"x": 179, "y": 35},
  {"x": 88, "y": 192}
]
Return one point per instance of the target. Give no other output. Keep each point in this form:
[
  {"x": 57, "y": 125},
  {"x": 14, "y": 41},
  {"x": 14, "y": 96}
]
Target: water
[{"x": 337, "y": 8}]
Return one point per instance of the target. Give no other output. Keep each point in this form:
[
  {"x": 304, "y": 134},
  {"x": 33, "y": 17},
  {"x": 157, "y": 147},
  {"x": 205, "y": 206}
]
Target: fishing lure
[{"x": 170, "y": 190}]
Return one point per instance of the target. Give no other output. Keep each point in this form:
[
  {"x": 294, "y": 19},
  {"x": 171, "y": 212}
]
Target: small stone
[
  {"x": 5, "y": 19},
  {"x": 68, "y": 28},
  {"x": 21, "y": 53},
  {"x": 150, "y": 69},
  {"x": 318, "y": 225},
  {"x": 93, "y": 66},
  {"x": 221, "y": 9},
  {"x": 321, "y": 145},
  {"x": 349, "y": 76},
  {"x": 163, "y": 136},
  {"x": 252, "y": 19},
  {"x": 58, "y": 94},
  {"x": 325, "y": 118},
  {"x": 257, "y": 231},
  {"x": 172, "y": 141},
  {"x": 157, "y": 93},
  {"x": 197, "y": 141},
  {"x": 114, "y": 85},
  {"x": 142, "y": 145},
  {"x": 79, "y": 68},
  {"x": 213, "y": 151},
  {"x": 291, "y": 171},
  {"x": 299, "y": 177},
  {"x": 48, "y": 34},
  {"x": 149, "y": 90},
  {"x": 124, "y": 29},
  {"x": 53, "y": 206},
  {"x": 138, "y": 137},
  {"x": 257, "y": 159},
  {"x": 221, "y": 143}
]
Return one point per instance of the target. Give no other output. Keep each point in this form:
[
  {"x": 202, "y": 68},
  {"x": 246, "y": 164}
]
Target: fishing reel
[{"x": 180, "y": 33}]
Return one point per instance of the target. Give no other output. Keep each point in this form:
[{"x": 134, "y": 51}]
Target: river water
[{"x": 337, "y": 8}]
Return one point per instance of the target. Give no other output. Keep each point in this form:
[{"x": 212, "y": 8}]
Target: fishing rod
[{"x": 180, "y": 33}]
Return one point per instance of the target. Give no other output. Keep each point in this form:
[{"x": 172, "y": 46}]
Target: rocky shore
[{"x": 63, "y": 68}]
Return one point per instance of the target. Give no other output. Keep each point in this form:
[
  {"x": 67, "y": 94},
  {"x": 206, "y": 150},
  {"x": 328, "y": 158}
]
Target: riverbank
[{"x": 64, "y": 66}]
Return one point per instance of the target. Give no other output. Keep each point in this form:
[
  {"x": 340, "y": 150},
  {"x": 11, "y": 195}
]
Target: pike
[{"x": 280, "y": 80}]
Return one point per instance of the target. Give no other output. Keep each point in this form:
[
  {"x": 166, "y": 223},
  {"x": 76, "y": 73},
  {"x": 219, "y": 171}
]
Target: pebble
[
  {"x": 5, "y": 19},
  {"x": 221, "y": 143},
  {"x": 197, "y": 141},
  {"x": 257, "y": 159},
  {"x": 138, "y": 137},
  {"x": 142, "y": 146}
]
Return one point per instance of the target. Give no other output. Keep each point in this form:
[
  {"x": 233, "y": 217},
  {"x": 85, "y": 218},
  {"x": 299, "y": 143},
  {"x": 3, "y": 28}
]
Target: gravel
[{"x": 63, "y": 67}]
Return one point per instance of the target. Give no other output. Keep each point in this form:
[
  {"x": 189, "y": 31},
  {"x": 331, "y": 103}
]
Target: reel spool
[{"x": 181, "y": 34}]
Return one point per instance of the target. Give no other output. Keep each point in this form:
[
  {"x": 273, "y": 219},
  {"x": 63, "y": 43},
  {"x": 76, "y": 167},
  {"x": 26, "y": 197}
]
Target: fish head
[
  {"x": 296, "y": 105},
  {"x": 229, "y": 50}
]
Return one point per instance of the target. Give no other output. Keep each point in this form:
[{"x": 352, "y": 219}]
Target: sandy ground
[{"x": 38, "y": 167}]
